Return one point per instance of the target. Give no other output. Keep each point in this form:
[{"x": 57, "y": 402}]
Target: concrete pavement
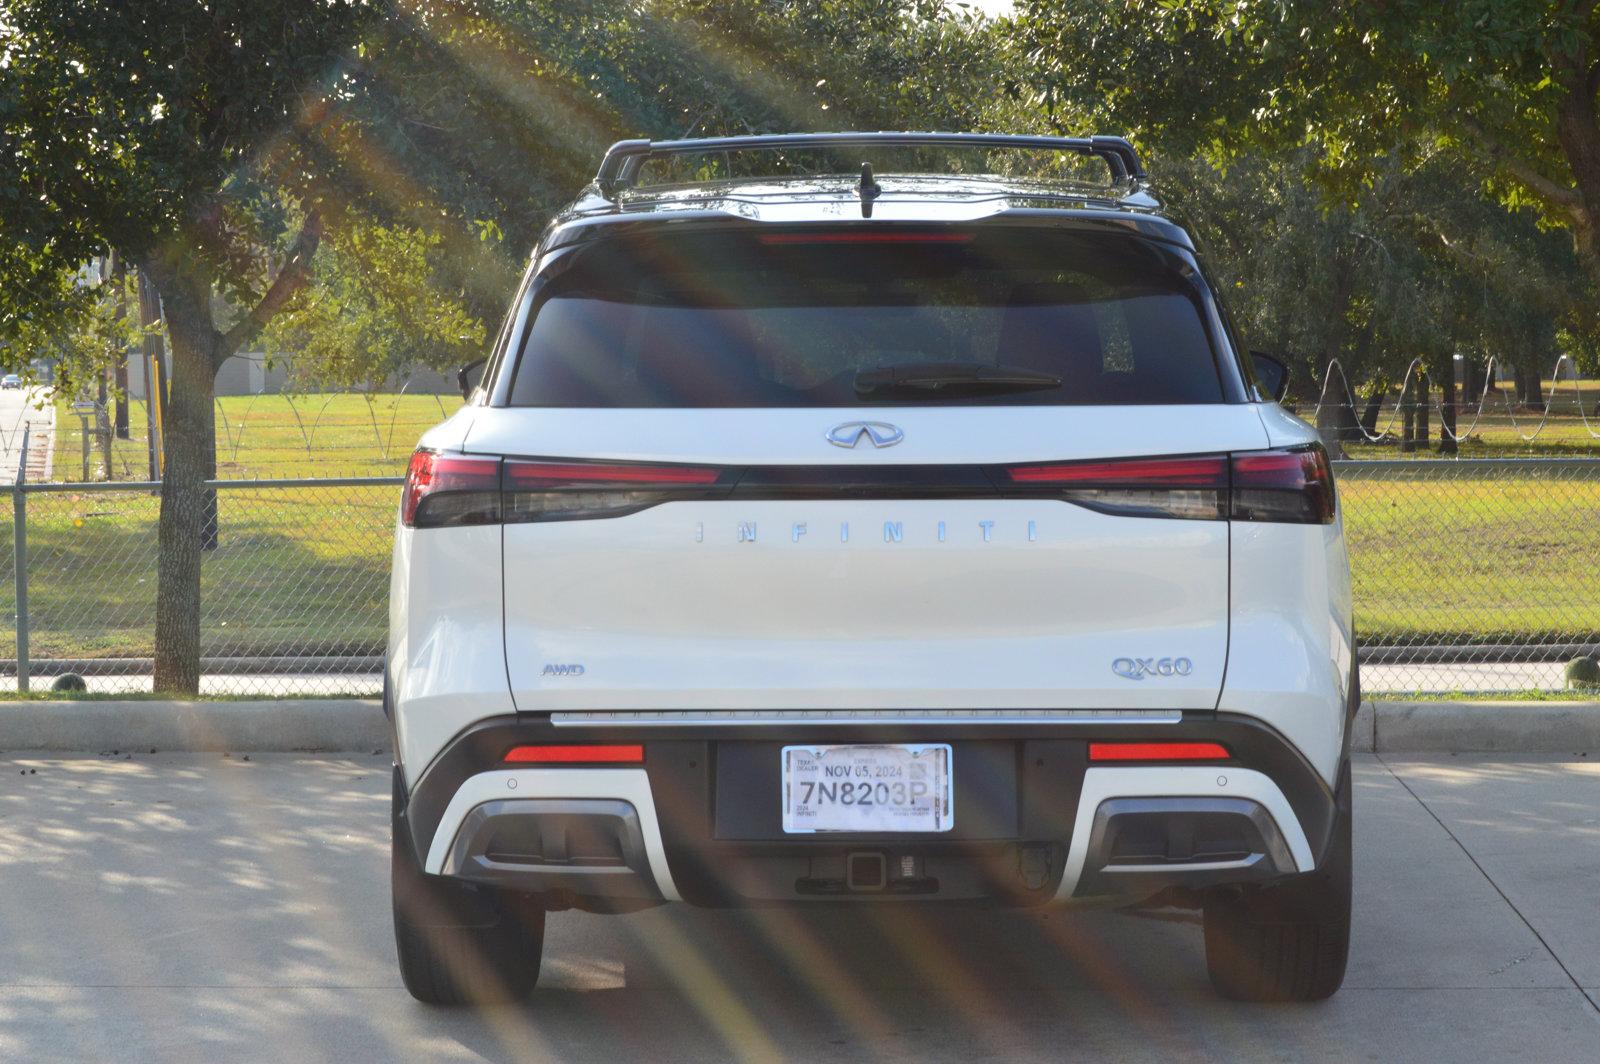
[{"x": 196, "y": 907}]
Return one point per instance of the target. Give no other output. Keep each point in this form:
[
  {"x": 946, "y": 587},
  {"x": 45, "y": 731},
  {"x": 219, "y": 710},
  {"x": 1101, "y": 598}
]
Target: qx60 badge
[
  {"x": 880, "y": 433},
  {"x": 1139, "y": 668}
]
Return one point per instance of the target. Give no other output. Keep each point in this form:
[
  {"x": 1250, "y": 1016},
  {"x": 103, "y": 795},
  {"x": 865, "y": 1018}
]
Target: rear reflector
[
  {"x": 580, "y": 754},
  {"x": 1158, "y": 752}
]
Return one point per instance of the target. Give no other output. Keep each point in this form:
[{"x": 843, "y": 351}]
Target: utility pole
[
  {"x": 119, "y": 365},
  {"x": 149, "y": 315}
]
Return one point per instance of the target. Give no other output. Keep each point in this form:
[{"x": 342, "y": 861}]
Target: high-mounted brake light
[
  {"x": 1162, "y": 751},
  {"x": 446, "y": 490},
  {"x": 576, "y": 754}
]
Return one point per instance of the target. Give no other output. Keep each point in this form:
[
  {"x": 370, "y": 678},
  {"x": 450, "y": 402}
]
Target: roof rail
[{"x": 620, "y": 168}]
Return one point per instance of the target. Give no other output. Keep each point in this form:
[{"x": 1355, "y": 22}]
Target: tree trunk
[
  {"x": 189, "y": 451},
  {"x": 1424, "y": 397},
  {"x": 1533, "y": 388},
  {"x": 1408, "y": 417},
  {"x": 1447, "y": 412},
  {"x": 1336, "y": 423},
  {"x": 1369, "y": 415},
  {"x": 1578, "y": 131}
]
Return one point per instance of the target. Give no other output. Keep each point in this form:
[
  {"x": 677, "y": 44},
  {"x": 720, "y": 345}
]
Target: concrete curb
[
  {"x": 1479, "y": 727},
  {"x": 357, "y": 724},
  {"x": 331, "y": 724}
]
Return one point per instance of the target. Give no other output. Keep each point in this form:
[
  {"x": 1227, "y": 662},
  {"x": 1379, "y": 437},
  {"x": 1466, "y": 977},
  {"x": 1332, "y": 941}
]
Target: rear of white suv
[{"x": 896, "y": 543}]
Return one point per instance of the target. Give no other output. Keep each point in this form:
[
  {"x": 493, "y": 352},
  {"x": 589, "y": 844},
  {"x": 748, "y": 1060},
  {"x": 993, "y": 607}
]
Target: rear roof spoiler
[{"x": 620, "y": 168}]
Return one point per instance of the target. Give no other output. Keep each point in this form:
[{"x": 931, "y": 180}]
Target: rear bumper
[{"x": 1035, "y": 822}]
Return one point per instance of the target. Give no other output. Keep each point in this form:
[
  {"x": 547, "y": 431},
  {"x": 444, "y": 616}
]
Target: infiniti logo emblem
[{"x": 881, "y": 433}]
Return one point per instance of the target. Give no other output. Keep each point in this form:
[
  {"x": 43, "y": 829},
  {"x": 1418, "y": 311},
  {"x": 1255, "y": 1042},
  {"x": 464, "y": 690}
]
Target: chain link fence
[
  {"x": 294, "y": 597},
  {"x": 1473, "y": 574},
  {"x": 1470, "y": 575}
]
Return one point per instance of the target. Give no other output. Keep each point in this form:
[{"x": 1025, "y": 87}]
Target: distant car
[{"x": 10, "y": 380}]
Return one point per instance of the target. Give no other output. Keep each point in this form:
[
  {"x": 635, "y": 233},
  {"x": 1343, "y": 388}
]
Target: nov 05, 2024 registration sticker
[{"x": 862, "y": 788}]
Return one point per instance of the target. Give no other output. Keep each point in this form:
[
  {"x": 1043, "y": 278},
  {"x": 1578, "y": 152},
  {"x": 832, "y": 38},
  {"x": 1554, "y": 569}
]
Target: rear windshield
[{"x": 868, "y": 316}]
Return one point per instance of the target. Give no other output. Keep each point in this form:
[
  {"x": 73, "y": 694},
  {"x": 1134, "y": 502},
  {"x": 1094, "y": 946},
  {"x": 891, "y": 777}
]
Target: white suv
[{"x": 914, "y": 539}]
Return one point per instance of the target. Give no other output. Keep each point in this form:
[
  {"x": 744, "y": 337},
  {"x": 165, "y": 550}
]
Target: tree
[
  {"x": 1511, "y": 84},
  {"x": 171, "y": 134}
]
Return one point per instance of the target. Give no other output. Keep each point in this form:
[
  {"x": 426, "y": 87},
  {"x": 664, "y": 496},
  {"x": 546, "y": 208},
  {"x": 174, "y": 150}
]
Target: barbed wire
[{"x": 1417, "y": 368}]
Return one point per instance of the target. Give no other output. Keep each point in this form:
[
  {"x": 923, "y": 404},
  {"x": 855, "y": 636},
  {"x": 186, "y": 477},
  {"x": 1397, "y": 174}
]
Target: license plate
[{"x": 892, "y": 787}]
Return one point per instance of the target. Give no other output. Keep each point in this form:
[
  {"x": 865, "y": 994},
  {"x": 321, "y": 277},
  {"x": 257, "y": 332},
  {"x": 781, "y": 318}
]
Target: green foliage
[
  {"x": 161, "y": 129},
  {"x": 1509, "y": 85},
  {"x": 1346, "y": 161},
  {"x": 375, "y": 308},
  {"x": 1582, "y": 674}
]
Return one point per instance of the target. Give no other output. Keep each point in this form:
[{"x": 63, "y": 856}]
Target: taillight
[
  {"x": 1158, "y": 751},
  {"x": 1293, "y": 485},
  {"x": 1193, "y": 487},
  {"x": 448, "y": 490},
  {"x": 569, "y": 491}
]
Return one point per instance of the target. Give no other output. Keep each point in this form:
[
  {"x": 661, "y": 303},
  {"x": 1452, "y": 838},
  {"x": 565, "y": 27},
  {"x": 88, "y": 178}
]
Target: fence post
[{"x": 19, "y": 544}]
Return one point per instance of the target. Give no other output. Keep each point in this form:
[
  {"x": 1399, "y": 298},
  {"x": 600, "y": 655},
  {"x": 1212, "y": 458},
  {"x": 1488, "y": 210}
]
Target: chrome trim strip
[{"x": 778, "y": 717}]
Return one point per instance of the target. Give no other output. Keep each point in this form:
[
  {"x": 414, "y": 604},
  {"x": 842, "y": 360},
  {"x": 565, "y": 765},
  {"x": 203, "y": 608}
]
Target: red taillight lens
[
  {"x": 1165, "y": 751},
  {"x": 1202, "y": 472},
  {"x": 571, "y": 491},
  {"x": 576, "y": 754},
  {"x": 445, "y": 490},
  {"x": 1193, "y": 486},
  {"x": 1293, "y": 485},
  {"x": 522, "y": 475}
]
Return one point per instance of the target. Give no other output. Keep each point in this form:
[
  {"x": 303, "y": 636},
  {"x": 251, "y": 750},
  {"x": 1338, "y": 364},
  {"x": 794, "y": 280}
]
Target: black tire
[
  {"x": 460, "y": 943},
  {"x": 1288, "y": 940}
]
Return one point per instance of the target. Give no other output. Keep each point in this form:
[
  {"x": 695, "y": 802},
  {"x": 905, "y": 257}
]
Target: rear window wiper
[{"x": 943, "y": 378}]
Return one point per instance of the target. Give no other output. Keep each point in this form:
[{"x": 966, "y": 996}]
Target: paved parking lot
[{"x": 195, "y": 907}]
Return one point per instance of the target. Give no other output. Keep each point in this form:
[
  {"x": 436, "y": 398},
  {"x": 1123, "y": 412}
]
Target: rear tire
[
  {"x": 460, "y": 943},
  {"x": 1289, "y": 940}
]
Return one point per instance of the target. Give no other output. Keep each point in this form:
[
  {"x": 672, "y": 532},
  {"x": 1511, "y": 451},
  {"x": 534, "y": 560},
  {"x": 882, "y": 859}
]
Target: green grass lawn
[
  {"x": 305, "y": 570},
  {"x": 266, "y": 436},
  {"x": 1474, "y": 560}
]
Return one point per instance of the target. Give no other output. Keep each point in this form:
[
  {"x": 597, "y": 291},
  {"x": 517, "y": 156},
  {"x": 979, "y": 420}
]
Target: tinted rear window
[{"x": 739, "y": 319}]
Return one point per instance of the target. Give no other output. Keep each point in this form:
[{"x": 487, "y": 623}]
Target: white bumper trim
[
  {"x": 630, "y": 785},
  {"x": 1171, "y": 781}
]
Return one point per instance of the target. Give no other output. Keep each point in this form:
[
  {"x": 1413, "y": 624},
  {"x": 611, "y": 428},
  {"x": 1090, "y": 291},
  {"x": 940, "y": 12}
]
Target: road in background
[
  {"x": 16, "y": 411},
  {"x": 176, "y": 908}
]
